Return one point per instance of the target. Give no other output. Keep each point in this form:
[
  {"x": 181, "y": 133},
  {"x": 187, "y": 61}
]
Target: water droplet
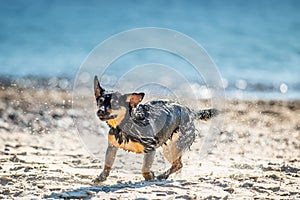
[
  {"x": 225, "y": 83},
  {"x": 241, "y": 84},
  {"x": 63, "y": 83},
  {"x": 283, "y": 88}
]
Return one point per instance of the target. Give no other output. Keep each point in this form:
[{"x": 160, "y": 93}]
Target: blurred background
[{"x": 254, "y": 44}]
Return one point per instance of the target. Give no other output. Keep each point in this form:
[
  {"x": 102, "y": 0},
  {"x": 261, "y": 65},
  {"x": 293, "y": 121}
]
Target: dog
[{"x": 142, "y": 128}]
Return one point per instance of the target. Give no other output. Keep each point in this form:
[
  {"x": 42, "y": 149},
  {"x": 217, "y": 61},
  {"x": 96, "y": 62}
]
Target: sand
[{"x": 257, "y": 154}]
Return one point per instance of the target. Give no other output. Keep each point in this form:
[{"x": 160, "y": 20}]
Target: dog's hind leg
[
  {"x": 175, "y": 147},
  {"x": 173, "y": 154},
  {"x": 147, "y": 164},
  {"x": 110, "y": 156}
]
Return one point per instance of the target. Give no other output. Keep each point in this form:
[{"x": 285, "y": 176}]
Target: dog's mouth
[{"x": 105, "y": 118}]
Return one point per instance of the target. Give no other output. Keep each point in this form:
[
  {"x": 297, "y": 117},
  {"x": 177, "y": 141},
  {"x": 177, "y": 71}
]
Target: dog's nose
[{"x": 100, "y": 112}]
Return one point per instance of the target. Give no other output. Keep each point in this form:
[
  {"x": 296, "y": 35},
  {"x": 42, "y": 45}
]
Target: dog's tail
[{"x": 206, "y": 114}]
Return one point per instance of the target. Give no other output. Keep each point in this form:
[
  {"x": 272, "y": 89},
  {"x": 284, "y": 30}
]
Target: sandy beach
[{"x": 257, "y": 155}]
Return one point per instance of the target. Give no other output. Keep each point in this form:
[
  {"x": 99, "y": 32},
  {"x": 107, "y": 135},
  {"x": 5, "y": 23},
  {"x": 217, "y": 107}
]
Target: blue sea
[{"x": 255, "y": 44}]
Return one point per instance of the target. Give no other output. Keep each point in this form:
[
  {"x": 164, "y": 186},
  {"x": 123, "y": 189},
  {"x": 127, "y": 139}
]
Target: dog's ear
[
  {"x": 135, "y": 99},
  {"x": 97, "y": 88}
]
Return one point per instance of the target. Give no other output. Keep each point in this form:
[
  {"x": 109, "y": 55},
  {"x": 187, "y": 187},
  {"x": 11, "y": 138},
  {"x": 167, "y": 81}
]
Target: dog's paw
[
  {"x": 99, "y": 180},
  {"x": 148, "y": 176},
  {"x": 163, "y": 176},
  {"x": 102, "y": 177}
]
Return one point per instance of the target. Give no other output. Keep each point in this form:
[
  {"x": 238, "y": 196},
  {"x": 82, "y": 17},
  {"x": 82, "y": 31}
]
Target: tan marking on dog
[
  {"x": 170, "y": 149},
  {"x": 129, "y": 146},
  {"x": 134, "y": 100},
  {"x": 120, "y": 116}
]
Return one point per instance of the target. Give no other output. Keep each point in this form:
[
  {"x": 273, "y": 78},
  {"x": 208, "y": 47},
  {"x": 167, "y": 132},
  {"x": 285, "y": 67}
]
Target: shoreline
[
  {"x": 253, "y": 91},
  {"x": 257, "y": 153}
]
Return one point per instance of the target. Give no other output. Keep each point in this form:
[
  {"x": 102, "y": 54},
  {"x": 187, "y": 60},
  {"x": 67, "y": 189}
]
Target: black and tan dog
[{"x": 141, "y": 128}]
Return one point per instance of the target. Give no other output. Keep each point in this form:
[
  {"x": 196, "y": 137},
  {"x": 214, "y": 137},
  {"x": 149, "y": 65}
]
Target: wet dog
[{"x": 142, "y": 128}]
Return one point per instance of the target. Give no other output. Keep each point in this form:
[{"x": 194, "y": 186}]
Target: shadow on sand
[{"x": 89, "y": 192}]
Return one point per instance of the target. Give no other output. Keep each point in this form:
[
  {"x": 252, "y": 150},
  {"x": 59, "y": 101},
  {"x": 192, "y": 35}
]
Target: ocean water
[{"x": 254, "y": 44}]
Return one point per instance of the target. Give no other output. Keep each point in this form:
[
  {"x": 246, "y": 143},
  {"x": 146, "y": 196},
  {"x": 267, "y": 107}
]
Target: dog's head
[{"x": 112, "y": 106}]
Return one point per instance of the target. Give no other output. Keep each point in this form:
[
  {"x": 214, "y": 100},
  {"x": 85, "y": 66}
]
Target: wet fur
[{"x": 141, "y": 128}]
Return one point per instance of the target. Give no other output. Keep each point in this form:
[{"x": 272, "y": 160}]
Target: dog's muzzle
[
  {"x": 101, "y": 113},
  {"x": 104, "y": 115}
]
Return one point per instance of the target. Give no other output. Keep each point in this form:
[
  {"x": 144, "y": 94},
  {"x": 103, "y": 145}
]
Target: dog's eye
[
  {"x": 115, "y": 103},
  {"x": 101, "y": 100}
]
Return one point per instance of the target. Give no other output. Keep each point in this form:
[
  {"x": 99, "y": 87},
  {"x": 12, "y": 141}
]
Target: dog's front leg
[
  {"x": 110, "y": 156},
  {"x": 147, "y": 164}
]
